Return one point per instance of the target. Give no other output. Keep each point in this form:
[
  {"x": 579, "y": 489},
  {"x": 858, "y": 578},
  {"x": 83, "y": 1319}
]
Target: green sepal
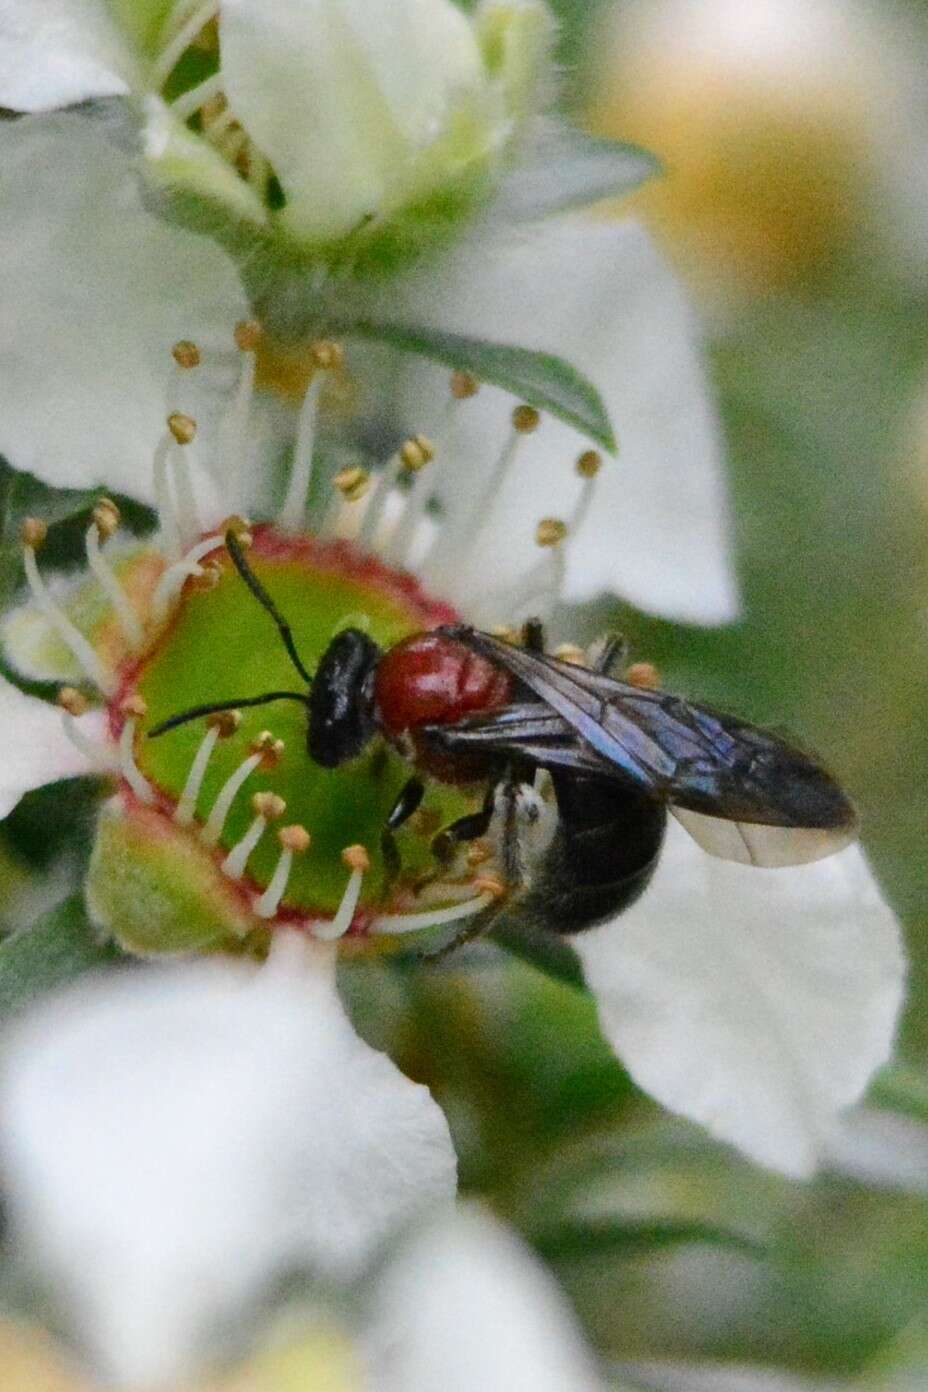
[
  {"x": 156, "y": 889},
  {"x": 541, "y": 379},
  {"x": 578, "y": 1240},
  {"x": 56, "y": 949}
]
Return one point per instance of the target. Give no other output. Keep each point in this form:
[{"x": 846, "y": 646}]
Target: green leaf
[
  {"x": 572, "y": 169},
  {"x": 53, "y": 951},
  {"x": 540, "y": 379},
  {"x": 629, "y": 1237},
  {"x": 901, "y": 1088}
]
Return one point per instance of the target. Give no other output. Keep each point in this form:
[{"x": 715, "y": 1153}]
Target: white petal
[
  {"x": 468, "y": 1307},
  {"x": 599, "y": 295},
  {"x": 36, "y": 749},
  {"x": 756, "y": 1002},
  {"x": 174, "y": 1140},
  {"x": 341, "y": 95},
  {"x": 95, "y": 293},
  {"x": 54, "y": 52}
]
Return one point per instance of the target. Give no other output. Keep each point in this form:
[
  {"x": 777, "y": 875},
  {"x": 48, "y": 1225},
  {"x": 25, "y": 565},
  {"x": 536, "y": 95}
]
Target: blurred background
[{"x": 794, "y": 135}]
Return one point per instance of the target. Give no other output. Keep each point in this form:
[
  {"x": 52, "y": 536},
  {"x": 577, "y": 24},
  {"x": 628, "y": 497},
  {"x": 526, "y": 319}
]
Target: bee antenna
[
  {"x": 197, "y": 712},
  {"x": 234, "y": 547}
]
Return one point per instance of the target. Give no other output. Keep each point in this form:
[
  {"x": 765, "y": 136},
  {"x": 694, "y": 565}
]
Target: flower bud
[{"x": 361, "y": 128}]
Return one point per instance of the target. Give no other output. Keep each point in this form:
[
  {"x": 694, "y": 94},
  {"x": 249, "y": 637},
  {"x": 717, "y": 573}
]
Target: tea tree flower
[
  {"x": 175, "y": 1141},
  {"x": 758, "y": 1008}
]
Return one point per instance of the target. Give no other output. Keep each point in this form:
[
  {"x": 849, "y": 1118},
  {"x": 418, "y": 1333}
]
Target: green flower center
[{"x": 222, "y": 647}]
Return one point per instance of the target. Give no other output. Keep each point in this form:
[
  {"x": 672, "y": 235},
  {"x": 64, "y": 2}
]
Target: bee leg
[
  {"x": 612, "y": 654},
  {"x": 469, "y": 828},
  {"x": 533, "y": 636},
  {"x": 407, "y": 802}
]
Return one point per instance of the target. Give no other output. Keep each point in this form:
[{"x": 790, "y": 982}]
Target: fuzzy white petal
[
  {"x": 756, "y": 1002},
  {"x": 174, "y": 1140},
  {"x": 467, "y": 1306},
  {"x": 599, "y": 295},
  {"x": 35, "y": 747},
  {"x": 95, "y": 293},
  {"x": 54, "y": 52}
]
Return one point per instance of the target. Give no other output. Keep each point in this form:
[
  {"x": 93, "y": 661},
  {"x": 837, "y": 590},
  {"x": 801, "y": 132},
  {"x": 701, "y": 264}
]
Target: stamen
[
  {"x": 186, "y": 354},
  {"x": 572, "y": 653},
  {"x": 168, "y": 521},
  {"x": 104, "y": 524},
  {"x": 220, "y": 726},
  {"x": 375, "y": 508},
  {"x": 588, "y": 467},
  {"x": 265, "y": 752},
  {"x": 294, "y": 840},
  {"x": 99, "y": 755},
  {"x": 235, "y": 435},
  {"x": 351, "y": 485},
  {"x": 463, "y": 387},
  {"x": 357, "y": 860},
  {"x": 34, "y": 533},
  {"x": 134, "y": 709},
  {"x": 326, "y": 357},
  {"x": 174, "y": 578},
  {"x": 163, "y": 67},
  {"x": 184, "y": 106},
  {"x": 450, "y": 556},
  {"x": 267, "y": 807},
  {"x": 551, "y": 531},
  {"x": 489, "y": 892},
  {"x": 184, "y": 430}
]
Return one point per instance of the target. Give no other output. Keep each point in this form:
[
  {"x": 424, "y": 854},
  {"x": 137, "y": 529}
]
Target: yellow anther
[
  {"x": 416, "y": 453},
  {"x": 106, "y": 517},
  {"x": 508, "y": 635},
  {"x": 570, "y": 652},
  {"x": 210, "y": 577},
  {"x": 71, "y": 700},
  {"x": 294, "y": 838},
  {"x": 644, "y": 675},
  {"x": 464, "y": 385},
  {"x": 248, "y": 335},
  {"x": 525, "y": 419},
  {"x": 226, "y": 722},
  {"x": 551, "y": 531},
  {"x": 134, "y": 707},
  {"x": 356, "y": 858},
  {"x": 327, "y": 355},
  {"x": 269, "y": 806},
  {"x": 239, "y": 528},
  {"x": 34, "y": 531},
  {"x": 183, "y": 428},
  {"x": 352, "y": 484},
  {"x": 270, "y": 748},
  {"x": 186, "y": 354},
  {"x": 589, "y": 464},
  {"x": 478, "y": 853}
]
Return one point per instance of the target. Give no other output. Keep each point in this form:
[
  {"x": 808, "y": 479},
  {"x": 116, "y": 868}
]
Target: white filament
[
  {"x": 188, "y": 102},
  {"x": 234, "y": 864},
  {"x": 227, "y": 794},
  {"x": 129, "y": 768},
  {"x": 269, "y": 902},
  {"x": 415, "y": 923},
  {"x": 187, "y": 802},
  {"x": 161, "y": 70},
  {"x": 338, "y": 927},
  {"x": 176, "y": 575},
  {"x": 292, "y": 516},
  {"x": 125, "y": 614},
  {"x": 80, "y": 648}
]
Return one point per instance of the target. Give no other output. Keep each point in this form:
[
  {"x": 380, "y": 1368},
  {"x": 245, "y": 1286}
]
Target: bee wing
[{"x": 697, "y": 759}]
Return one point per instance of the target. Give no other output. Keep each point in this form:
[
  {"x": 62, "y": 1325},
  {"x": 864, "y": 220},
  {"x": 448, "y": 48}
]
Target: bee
[{"x": 462, "y": 705}]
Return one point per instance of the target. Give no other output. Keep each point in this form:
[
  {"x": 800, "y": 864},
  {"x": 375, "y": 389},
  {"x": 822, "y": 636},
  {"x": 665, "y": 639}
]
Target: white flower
[
  {"x": 757, "y": 1002},
  {"x": 95, "y": 291},
  {"x": 36, "y": 749},
  {"x": 313, "y": 121},
  {"x": 174, "y": 1142}
]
